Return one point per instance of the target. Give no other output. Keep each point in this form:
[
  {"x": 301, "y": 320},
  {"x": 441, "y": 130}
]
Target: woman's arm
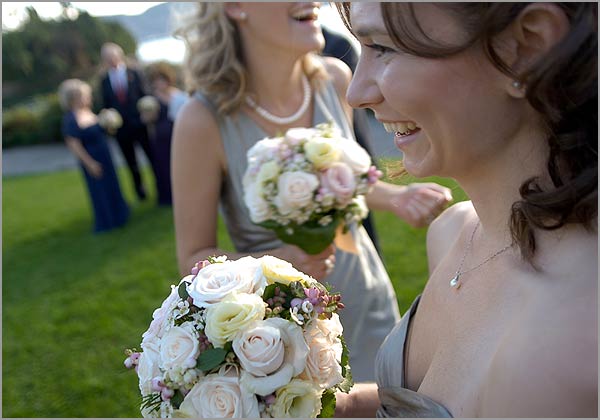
[
  {"x": 91, "y": 165},
  {"x": 362, "y": 401}
]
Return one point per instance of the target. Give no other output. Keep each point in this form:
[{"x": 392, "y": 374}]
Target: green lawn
[{"x": 72, "y": 301}]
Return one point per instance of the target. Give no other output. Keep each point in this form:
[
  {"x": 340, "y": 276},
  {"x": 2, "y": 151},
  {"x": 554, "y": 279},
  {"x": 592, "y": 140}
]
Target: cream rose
[
  {"x": 268, "y": 171},
  {"x": 148, "y": 366},
  {"x": 179, "y": 345},
  {"x": 322, "y": 152},
  {"x": 233, "y": 314},
  {"x": 219, "y": 396},
  {"x": 298, "y": 399},
  {"x": 161, "y": 316},
  {"x": 295, "y": 190},
  {"x": 339, "y": 180},
  {"x": 355, "y": 156},
  {"x": 258, "y": 207},
  {"x": 216, "y": 281},
  {"x": 280, "y": 271},
  {"x": 323, "y": 362},
  {"x": 271, "y": 352}
]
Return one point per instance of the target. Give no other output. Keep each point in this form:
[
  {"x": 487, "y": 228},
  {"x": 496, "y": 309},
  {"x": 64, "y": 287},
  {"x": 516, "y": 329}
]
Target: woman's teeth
[{"x": 402, "y": 128}]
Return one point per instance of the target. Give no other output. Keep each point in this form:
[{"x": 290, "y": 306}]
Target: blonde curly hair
[{"x": 214, "y": 61}]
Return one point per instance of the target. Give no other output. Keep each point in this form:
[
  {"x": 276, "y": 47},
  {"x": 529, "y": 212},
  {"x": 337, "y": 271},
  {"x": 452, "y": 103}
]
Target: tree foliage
[{"x": 36, "y": 57}]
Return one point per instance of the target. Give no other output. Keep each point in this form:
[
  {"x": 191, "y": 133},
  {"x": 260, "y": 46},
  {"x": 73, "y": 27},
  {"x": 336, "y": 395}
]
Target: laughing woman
[
  {"x": 249, "y": 64},
  {"x": 503, "y": 98}
]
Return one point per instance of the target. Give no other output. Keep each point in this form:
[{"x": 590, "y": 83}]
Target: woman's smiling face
[{"x": 446, "y": 114}]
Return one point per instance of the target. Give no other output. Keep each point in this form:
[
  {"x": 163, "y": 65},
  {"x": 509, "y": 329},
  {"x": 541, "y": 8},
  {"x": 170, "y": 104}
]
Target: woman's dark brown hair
[
  {"x": 562, "y": 87},
  {"x": 163, "y": 70}
]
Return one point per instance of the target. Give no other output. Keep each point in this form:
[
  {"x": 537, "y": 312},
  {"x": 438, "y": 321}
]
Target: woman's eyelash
[{"x": 379, "y": 48}]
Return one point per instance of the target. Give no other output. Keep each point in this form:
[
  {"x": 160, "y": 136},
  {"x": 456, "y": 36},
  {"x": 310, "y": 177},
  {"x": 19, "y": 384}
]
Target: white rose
[
  {"x": 295, "y": 136},
  {"x": 295, "y": 190},
  {"x": 332, "y": 327},
  {"x": 234, "y": 313},
  {"x": 258, "y": 207},
  {"x": 355, "y": 156},
  {"x": 272, "y": 352},
  {"x": 216, "y": 281},
  {"x": 219, "y": 396},
  {"x": 268, "y": 171},
  {"x": 298, "y": 399},
  {"x": 264, "y": 149},
  {"x": 148, "y": 366},
  {"x": 362, "y": 209},
  {"x": 323, "y": 364},
  {"x": 179, "y": 345},
  {"x": 322, "y": 152}
]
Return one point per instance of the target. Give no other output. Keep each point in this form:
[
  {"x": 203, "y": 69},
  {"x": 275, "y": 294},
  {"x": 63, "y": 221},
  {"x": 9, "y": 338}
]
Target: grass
[{"x": 72, "y": 301}]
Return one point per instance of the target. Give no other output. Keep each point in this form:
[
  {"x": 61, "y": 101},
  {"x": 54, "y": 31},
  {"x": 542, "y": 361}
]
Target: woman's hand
[
  {"x": 95, "y": 169},
  {"x": 420, "y": 203},
  {"x": 317, "y": 266}
]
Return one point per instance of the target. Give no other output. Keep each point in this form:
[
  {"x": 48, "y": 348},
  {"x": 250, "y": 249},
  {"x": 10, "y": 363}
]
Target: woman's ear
[
  {"x": 234, "y": 11},
  {"x": 535, "y": 31}
]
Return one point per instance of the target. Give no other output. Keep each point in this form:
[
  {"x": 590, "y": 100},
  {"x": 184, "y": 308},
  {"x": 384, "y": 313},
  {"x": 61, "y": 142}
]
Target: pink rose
[{"x": 339, "y": 180}]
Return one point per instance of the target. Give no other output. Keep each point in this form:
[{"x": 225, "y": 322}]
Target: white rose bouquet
[
  {"x": 306, "y": 183},
  {"x": 148, "y": 107},
  {"x": 110, "y": 120},
  {"x": 244, "y": 338}
]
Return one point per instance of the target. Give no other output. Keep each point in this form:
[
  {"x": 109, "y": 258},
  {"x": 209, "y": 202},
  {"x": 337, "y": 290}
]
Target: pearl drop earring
[
  {"x": 517, "y": 85},
  {"x": 243, "y": 15}
]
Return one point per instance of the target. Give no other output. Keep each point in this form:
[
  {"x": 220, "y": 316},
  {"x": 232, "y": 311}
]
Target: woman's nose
[{"x": 363, "y": 92}]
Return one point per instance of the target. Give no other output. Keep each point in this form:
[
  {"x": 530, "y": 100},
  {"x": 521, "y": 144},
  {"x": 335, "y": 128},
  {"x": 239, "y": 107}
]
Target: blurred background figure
[
  {"x": 122, "y": 87},
  {"x": 338, "y": 46},
  {"x": 87, "y": 141},
  {"x": 159, "y": 121}
]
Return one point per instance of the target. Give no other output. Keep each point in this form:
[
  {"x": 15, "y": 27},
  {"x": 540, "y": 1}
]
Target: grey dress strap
[{"x": 390, "y": 369}]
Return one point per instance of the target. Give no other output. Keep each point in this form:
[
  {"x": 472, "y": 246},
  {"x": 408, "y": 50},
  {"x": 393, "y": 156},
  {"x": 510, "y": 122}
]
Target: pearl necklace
[
  {"x": 284, "y": 120},
  {"x": 455, "y": 283}
]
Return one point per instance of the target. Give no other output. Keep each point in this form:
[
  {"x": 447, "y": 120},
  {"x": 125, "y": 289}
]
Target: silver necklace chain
[
  {"x": 455, "y": 282},
  {"x": 284, "y": 120}
]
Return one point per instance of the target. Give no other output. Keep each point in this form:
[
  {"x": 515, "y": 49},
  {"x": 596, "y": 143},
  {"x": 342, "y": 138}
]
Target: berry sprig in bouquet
[
  {"x": 306, "y": 183},
  {"x": 244, "y": 338}
]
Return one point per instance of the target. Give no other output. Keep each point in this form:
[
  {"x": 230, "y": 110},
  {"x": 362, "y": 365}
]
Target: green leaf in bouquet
[
  {"x": 177, "y": 399},
  {"x": 311, "y": 237},
  {"x": 327, "y": 404},
  {"x": 182, "y": 290},
  {"x": 211, "y": 358},
  {"x": 347, "y": 383}
]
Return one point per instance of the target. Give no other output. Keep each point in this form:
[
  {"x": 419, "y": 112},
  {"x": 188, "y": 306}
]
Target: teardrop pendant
[{"x": 455, "y": 282}]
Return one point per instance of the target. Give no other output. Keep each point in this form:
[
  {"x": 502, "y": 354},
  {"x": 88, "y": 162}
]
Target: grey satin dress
[
  {"x": 397, "y": 400},
  {"x": 371, "y": 309}
]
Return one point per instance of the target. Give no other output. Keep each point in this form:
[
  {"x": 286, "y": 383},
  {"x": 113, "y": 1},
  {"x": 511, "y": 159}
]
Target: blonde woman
[
  {"x": 254, "y": 74},
  {"x": 86, "y": 139}
]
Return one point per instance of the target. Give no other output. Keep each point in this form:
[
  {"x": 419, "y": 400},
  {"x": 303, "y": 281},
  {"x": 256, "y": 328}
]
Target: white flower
[
  {"x": 362, "y": 210},
  {"x": 234, "y": 313},
  {"x": 148, "y": 366},
  {"x": 215, "y": 281},
  {"x": 271, "y": 353},
  {"x": 322, "y": 152},
  {"x": 355, "y": 156},
  {"x": 179, "y": 346},
  {"x": 162, "y": 316},
  {"x": 219, "y": 396},
  {"x": 297, "y": 135},
  {"x": 323, "y": 364},
  {"x": 264, "y": 149},
  {"x": 258, "y": 207},
  {"x": 295, "y": 190},
  {"x": 298, "y": 399},
  {"x": 268, "y": 171}
]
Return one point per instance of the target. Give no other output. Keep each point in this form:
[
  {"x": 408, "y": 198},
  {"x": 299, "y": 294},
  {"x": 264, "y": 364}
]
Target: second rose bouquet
[
  {"x": 306, "y": 183},
  {"x": 247, "y": 338}
]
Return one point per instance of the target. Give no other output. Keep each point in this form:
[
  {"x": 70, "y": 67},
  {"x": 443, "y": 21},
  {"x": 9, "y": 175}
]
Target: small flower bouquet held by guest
[
  {"x": 244, "y": 338},
  {"x": 110, "y": 120},
  {"x": 148, "y": 108},
  {"x": 307, "y": 183}
]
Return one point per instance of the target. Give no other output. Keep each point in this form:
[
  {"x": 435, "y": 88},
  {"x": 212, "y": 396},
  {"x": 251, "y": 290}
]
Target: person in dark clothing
[
  {"x": 338, "y": 46},
  {"x": 122, "y": 87}
]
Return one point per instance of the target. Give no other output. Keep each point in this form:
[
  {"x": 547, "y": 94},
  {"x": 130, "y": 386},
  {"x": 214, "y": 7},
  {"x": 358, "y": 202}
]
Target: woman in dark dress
[
  {"x": 159, "y": 116},
  {"x": 87, "y": 141}
]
